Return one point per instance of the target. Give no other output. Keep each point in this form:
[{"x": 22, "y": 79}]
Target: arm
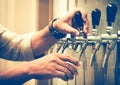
[
  {"x": 49, "y": 66},
  {"x": 19, "y": 47},
  {"x": 41, "y": 40},
  {"x": 14, "y": 75},
  {"x": 14, "y": 46}
]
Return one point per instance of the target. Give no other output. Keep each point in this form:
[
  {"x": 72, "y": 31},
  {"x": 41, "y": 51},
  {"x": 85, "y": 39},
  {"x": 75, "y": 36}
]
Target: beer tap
[
  {"x": 79, "y": 23},
  {"x": 71, "y": 44},
  {"x": 81, "y": 40},
  {"x": 96, "y": 14},
  {"x": 70, "y": 40},
  {"x": 111, "y": 12}
]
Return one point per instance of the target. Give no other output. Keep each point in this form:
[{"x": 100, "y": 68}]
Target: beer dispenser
[
  {"x": 96, "y": 14},
  {"x": 111, "y": 11}
]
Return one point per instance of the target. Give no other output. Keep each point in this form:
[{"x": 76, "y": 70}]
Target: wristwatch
[{"x": 54, "y": 32}]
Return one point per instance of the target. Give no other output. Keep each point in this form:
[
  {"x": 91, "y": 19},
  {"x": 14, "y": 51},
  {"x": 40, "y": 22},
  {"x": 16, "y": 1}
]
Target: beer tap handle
[
  {"x": 96, "y": 14},
  {"x": 79, "y": 20},
  {"x": 80, "y": 26},
  {"x": 79, "y": 23},
  {"x": 111, "y": 12}
]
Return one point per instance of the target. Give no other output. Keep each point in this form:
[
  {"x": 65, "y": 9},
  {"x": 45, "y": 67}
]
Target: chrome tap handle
[
  {"x": 84, "y": 46},
  {"x": 96, "y": 14},
  {"x": 97, "y": 46},
  {"x": 110, "y": 47}
]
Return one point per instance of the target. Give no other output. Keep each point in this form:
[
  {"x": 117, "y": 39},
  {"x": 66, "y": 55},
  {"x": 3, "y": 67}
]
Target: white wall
[
  {"x": 18, "y": 16},
  {"x": 59, "y": 8}
]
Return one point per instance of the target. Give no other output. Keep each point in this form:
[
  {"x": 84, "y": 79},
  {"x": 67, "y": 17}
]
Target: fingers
[
  {"x": 67, "y": 73},
  {"x": 61, "y": 75},
  {"x": 65, "y": 23},
  {"x": 86, "y": 27},
  {"x": 72, "y": 68},
  {"x": 85, "y": 19},
  {"x": 71, "y": 30},
  {"x": 67, "y": 65},
  {"x": 68, "y": 59}
]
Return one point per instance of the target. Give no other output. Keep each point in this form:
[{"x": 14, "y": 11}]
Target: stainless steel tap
[
  {"x": 96, "y": 14},
  {"x": 111, "y": 11}
]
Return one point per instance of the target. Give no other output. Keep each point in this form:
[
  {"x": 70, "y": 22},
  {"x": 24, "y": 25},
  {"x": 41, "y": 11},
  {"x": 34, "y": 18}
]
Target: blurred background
[{"x": 23, "y": 16}]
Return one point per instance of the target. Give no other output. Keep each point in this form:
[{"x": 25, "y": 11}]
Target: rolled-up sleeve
[{"x": 15, "y": 47}]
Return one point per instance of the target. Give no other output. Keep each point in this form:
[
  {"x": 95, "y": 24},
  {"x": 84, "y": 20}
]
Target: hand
[
  {"x": 64, "y": 24},
  {"x": 54, "y": 65}
]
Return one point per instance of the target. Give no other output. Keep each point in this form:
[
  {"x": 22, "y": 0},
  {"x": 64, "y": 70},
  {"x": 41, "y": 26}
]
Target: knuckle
[
  {"x": 68, "y": 57},
  {"x": 54, "y": 60},
  {"x": 57, "y": 55},
  {"x": 65, "y": 70}
]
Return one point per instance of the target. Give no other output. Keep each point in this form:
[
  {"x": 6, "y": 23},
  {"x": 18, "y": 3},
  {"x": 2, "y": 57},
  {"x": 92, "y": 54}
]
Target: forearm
[
  {"x": 15, "y": 75},
  {"x": 42, "y": 41}
]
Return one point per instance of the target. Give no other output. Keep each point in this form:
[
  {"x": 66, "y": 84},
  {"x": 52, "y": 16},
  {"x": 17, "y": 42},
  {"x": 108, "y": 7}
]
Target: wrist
[
  {"x": 27, "y": 71},
  {"x": 54, "y": 31}
]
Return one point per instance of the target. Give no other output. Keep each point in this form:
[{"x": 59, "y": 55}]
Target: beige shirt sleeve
[{"x": 15, "y": 47}]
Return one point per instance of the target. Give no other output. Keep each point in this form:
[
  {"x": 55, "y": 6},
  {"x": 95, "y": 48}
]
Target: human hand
[
  {"x": 64, "y": 24},
  {"x": 54, "y": 65}
]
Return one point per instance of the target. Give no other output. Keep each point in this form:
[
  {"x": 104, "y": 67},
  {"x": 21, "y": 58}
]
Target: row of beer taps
[{"x": 96, "y": 40}]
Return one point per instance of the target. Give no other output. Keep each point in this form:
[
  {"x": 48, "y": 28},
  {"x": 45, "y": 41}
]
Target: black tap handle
[
  {"x": 111, "y": 12},
  {"x": 79, "y": 21},
  {"x": 96, "y": 14}
]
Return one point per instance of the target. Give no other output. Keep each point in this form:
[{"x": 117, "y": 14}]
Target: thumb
[{"x": 71, "y": 30}]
